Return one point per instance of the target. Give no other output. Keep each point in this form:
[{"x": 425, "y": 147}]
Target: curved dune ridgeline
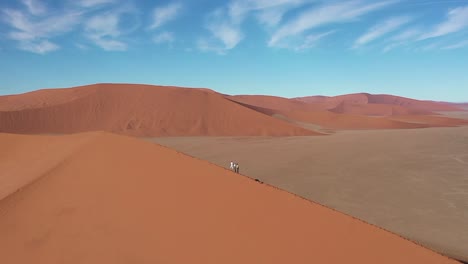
[
  {"x": 137, "y": 110},
  {"x": 104, "y": 198}
]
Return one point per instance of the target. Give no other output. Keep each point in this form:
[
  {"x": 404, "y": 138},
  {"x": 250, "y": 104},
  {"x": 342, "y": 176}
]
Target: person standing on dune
[{"x": 232, "y": 166}]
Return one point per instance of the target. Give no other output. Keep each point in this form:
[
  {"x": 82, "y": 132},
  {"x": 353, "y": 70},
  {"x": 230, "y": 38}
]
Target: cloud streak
[
  {"x": 225, "y": 23},
  {"x": 33, "y": 34},
  {"x": 164, "y": 37},
  {"x": 93, "y": 3},
  {"x": 162, "y": 15},
  {"x": 103, "y": 31},
  {"x": 326, "y": 14},
  {"x": 312, "y": 40},
  {"x": 381, "y": 29},
  {"x": 34, "y": 7},
  {"x": 269, "y": 12},
  {"x": 458, "y": 45},
  {"x": 457, "y": 19}
]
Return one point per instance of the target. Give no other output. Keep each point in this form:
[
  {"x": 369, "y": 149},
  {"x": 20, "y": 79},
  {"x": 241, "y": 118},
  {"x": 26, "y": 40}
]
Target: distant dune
[
  {"x": 354, "y": 111},
  {"x": 103, "y": 198},
  {"x": 149, "y": 111},
  {"x": 138, "y": 110},
  {"x": 374, "y": 109},
  {"x": 384, "y": 99}
]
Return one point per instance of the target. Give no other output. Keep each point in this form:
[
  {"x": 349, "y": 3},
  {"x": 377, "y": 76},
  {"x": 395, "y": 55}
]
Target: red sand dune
[
  {"x": 372, "y": 109},
  {"x": 340, "y": 121},
  {"x": 138, "y": 110},
  {"x": 116, "y": 199},
  {"x": 355, "y": 111},
  {"x": 364, "y": 98}
]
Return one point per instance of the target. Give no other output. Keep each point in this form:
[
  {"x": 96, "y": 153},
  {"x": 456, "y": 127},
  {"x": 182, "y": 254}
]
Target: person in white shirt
[{"x": 232, "y": 166}]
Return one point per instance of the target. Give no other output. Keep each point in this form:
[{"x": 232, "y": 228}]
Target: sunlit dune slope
[
  {"x": 117, "y": 199},
  {"x": 138, "y": 110}
]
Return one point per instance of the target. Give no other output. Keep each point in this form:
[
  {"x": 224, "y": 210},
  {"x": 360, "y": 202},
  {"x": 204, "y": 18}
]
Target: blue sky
[{"x": 413, "y": 48}]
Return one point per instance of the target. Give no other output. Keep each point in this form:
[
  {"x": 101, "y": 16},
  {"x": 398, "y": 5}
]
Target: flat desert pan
[
  {"x": 412, "y": 182},
  {"x": 102, "y": 198}
]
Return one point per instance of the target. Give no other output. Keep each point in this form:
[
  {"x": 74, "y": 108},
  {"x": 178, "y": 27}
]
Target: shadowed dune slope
[
  {"x": 137, "y": 110},
  {"x": 117, "y": 199}
]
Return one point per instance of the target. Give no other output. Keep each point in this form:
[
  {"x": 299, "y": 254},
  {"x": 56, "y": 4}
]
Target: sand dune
[
  {"x": 116, "y": 199},
  {"x": 148, "y": 111},
  {"x": 137, "y": 110},
  {"x": 355, "y": 111},
  {"x": 373, "y": 109},
  {"x": 365, "y": 98},
  {"x": 331, "y": 120}
]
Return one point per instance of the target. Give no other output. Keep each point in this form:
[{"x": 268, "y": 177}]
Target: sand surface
[
  {"x": 118, "y": 199},
  {"x": 412, "y": 182}
]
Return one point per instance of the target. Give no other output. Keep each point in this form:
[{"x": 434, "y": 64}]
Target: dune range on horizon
[{"x": 148, "y": 111}]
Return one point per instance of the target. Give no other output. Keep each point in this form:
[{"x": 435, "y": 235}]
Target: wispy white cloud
[
  {"x": 225, "y": 23},
  {"x": 409, "y": 34},
  {"x": 162, "y": 15},
  {"x": 458, "y": 45},
  {"x": 402, "y": 38},
  {"x": 457, "y": 19},
  {"x": 312, "y": 40},
  {"x": 269, "y": 12},
  {"x": 225, "y": 34},
  {"x": 381, "y": 29},
  {"x": 39, "y": 47},
  {"x": 102, "y": 29},
  {"x": 33, "y": 34},
  {"x": 205, "y": 45},
  {"x": 81, "y": 46},
  {"x": 35, "y": 7},
  {"x": 93, "y": 3},
  {"x": 271, "y": 17},
  {"x": 429, "y": 47},
  {"x": 164, "y": 37},
  {"x": 326, "y": 14}
]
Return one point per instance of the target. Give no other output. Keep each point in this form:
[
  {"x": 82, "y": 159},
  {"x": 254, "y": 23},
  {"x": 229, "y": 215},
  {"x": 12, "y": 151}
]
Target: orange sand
[{"x": 104, "y": 198}]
